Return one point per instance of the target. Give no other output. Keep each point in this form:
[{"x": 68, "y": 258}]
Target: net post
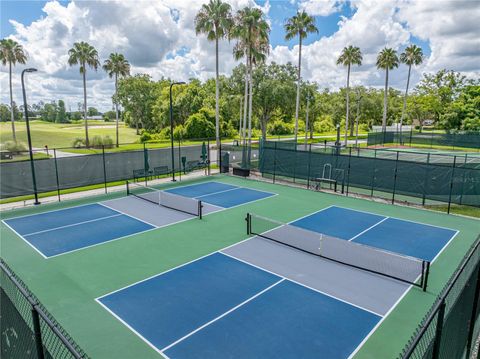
[
  {"x": 128, "y": 188},
  {"x": 395, "y": 178},
  {"x": 249, "y": 223},
  {"x": 438, "y": 332},
  {"x": 56, "y": 173},
  {"x": 425, "y": 273},
  {"x": 104, "y": 168},
  {"x": 200, "y": 209},
  {"x": 38, "y": 333},
  {"x": 451, "y": 184}
]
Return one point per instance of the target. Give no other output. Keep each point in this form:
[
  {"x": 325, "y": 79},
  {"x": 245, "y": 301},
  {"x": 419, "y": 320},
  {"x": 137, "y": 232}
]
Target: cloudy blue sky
[{"x": 158, "y": 38}]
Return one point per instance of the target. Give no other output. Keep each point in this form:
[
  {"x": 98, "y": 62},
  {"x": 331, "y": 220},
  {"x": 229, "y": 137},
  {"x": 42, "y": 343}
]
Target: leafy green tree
[
  {"x": 11, "y": 52},
  {"x": 92, "y": 111},
  {"x": 350, "y": 55},
  {"x": 137, "y": 95},
  {"x": 198, "y": 126},
  {"x": 413, "y": 55},
  {"x": 215, "y": 20},
  {"x": 387, "y": 60},
  {"x": 84, "y": 54},
  {"x": 61, "y": 115},
  {"x": 4, "y": 113},
  {"x": 301, "y": 24},
  {"x": 116, "y": 66}
]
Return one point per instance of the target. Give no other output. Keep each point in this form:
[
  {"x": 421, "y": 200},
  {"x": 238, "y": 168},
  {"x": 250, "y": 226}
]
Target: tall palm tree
[
  {"x": 351, "y": 55},
  {"x": 387, "y": 60},
  {"x": 300, "y": 24},
  {"x": 215, "y": 20},
  {"x": 251, "y": 30},
  {"x": 116, "y": 65},
  {"x": 413, "y": 55},
  {"x": 84, "y": 54},
  {"x": 12, "y": 52}
]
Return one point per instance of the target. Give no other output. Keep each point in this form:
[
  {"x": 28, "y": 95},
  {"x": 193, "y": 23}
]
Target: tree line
[{"x": 260, "y": 97}]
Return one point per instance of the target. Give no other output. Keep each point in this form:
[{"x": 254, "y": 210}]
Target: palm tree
[
  {"x": 350, "y": 55},
  {"x": 300, "y": 24},
  {"x": 116, "y": 65},
  {"x": 84, "y": 54},
  {"x": 413, "y": 55},
  {"x": 387, "y": 60},
  {"x": 12, "y": 52},
  {"x": 215, "y": 20},
  {"x": 251, "y": 30}
]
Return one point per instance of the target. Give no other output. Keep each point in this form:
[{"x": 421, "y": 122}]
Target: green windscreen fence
[
  {"x": 429, "y": 139},
  {"x": 457, "y": 182},
  {"x": 59, "y": 173}
]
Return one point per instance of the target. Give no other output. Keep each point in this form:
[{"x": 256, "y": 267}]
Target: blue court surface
[
  {"x": 62, "y": 231},
  {"x": 220, "y": 194},
  {"x": 228, "y": 304},
  {"x": 395, "y": 235},
  {"x": 57, "y": 232}
]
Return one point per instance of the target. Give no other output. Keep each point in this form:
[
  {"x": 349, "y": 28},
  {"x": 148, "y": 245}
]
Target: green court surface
[{"x": 68, "y": 284}]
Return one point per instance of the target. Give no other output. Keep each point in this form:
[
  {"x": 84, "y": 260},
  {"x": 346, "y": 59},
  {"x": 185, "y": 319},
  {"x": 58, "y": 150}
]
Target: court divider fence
[
  {"x": 452, "y": 325},
  {"x": 27, "y": 329},
  {"x": 430, "y": 139},
  {"x": 393, "y": 179},
  {"x": 102, "y": 167}
]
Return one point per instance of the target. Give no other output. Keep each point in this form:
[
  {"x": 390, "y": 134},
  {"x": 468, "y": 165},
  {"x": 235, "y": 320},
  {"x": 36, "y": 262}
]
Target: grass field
[
  {"x": 57, "y": 135},
  {"x": 81, "y": 276}
]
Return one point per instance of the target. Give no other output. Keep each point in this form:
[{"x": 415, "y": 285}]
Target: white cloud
[
  {"x": 320, "y": 7},
  {"x": 158, "y": 38}
]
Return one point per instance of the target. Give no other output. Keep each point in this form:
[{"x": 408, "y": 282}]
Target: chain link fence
[
  {"x": 101, "y": 167},
  {"x": 27, "y": 329},
  {"x": 452, "y": 326}
]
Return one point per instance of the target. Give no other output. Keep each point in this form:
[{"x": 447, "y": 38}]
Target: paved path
[{"x": 59, "y": 154}]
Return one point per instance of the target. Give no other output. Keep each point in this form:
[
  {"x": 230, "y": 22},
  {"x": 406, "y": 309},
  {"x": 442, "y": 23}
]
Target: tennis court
[
  {"x": 177, "y": 271},
  {"x": 268, "y": 296},
  {"x": 58, "y": 232}
]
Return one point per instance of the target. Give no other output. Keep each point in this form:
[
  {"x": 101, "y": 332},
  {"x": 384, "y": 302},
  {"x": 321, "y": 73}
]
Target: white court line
[
  {"x": 30, "y": 244},
  {"x": 52, "y": 211},
  {"x": 72, "y": 225},
  {"x": 213, "y": 193},
  {"x": 126, "y": 214},
  {"x": 369, "y": 228},
  {"x": 222, "y": 315},
  {"x": 302, "y": 284},
  {"x": 398, "y": 219},
  {"x": 398, "y": 301}
]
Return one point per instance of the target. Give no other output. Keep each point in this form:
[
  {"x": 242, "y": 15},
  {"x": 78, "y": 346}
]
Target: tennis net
[
  {"x": 393, "y": 265},
  {"x": 165, "y": 199}
]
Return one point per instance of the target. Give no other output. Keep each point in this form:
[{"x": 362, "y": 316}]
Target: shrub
[
  {"x": 11, "y": 146},
  {"x": 197, "y": 126},
  {"x": 108, "y": 142},
  {"x": 78, "y": 142},
  {"x": 164, "y": 133},
  {"x": 179, "y": 132},
  {"x": 145, "y": 137},
  {"x": 278, "y": 127},
  {"x": 324, "y": 125},
  {"x": 99, "y": 142}
]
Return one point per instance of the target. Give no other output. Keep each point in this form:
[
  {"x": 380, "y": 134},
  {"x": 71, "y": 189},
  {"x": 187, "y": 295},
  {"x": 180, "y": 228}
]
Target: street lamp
[
  {"x": 25, "y": 108},
  {"x": 171, "y": 128}
]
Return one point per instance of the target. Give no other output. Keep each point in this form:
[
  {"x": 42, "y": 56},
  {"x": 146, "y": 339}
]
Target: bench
[
  {"x": 161, "y": 170},
  {"x": 141, "y": 173},
  {"x": 195, "y": 165}
]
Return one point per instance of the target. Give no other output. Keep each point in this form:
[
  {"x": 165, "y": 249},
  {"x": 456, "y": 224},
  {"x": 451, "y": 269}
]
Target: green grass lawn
[
  {"x": 26, "y": 157},
  {"x": 57, "y": 135}
]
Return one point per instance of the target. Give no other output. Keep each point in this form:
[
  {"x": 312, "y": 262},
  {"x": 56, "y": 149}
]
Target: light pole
[
  {"x": 171, "y": 128},
  {"x": 25, "y": 108}
]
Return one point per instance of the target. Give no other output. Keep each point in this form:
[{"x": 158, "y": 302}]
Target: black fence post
[
  {"x": 145, "y": 162},
  {"x": 438, "y": 332},
  {"x": 395, "y": 178},
  {"x": 348, "y": 170},
  {"x": 308, "y": 167},
  {"x": 208, "y": 157},
  {"x": 295, "y": 163},
  {"x": 56, "y": 173},
  {"x": 274, "y": 161},
  {"x": 373, "y": 172},
  {"x": 451, "y": 184},
  {"x": 38, "y": 333},
  {"x": 180, "y": 158},
  {"x": 425, "y": 181},
  {"x": 463, "y": 178},
  {"x": 411, "y": 134},
  {"x": 472, "y": 321},
  {"x": 104, "y": 168}
]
